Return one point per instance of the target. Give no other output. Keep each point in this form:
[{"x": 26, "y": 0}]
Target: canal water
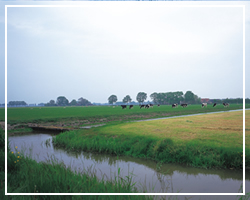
[{"x": 148, "y": 175}]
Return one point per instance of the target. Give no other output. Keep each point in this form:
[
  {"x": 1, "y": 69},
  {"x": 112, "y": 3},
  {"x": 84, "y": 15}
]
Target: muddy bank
[{"x": 78, "y": 123}]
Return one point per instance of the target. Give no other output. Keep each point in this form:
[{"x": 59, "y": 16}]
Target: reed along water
[{"x": 148, "y": 175}]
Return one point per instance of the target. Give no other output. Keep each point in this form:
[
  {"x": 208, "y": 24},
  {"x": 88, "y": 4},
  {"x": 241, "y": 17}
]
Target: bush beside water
[{"x": 193, "y": 153}]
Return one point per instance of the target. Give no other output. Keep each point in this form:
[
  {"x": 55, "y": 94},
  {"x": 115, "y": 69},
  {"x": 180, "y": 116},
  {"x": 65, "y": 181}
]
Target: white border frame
[{"x": 106, "y": 3}]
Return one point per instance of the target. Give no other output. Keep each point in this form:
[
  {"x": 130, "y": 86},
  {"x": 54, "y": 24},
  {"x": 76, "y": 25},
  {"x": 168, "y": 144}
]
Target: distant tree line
[
  {"x": 17, "y": 103},
  {"x": 166, "y": 98},
  {"x": 232, "y": 101},
  {"x": 161, "y": 98},
  {"x": 63, "y": 101}
]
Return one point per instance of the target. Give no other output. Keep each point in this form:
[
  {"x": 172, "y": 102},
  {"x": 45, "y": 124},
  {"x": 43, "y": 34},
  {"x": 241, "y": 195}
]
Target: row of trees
[
  {"x": 17, "y": 103},
  {"x": 63, "y": 101},
  {"x": 161, "y": 98},
  {"x": 175, "y": 97}
]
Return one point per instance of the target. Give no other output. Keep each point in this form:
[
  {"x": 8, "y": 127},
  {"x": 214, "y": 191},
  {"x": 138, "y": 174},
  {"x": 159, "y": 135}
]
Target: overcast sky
[{"x": 99, "y": 49}]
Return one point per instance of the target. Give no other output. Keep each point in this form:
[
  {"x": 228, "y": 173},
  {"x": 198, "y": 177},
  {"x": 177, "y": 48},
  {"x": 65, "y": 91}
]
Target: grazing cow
[
  {"x": 203, "y": 104},
  {"x": 142, "y": 106},
  {"x": 184, "y": 105},
  {"x": 124, "y": 106},
  {"x": 158, "y": 105},
  {"x": 225, "y": 104},
  {"x": 214, "y": 104},
  {"x": 151, "y": 105},
  {"x": 174, "y": 105},
  {"x": 131, "y": 106}
]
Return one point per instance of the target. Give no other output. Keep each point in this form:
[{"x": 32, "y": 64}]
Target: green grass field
[
  {"x": 213, "y": 140},
  {"x": 193, "y": 140},
  {"x": 224, "y": 129},
  {"x": 110, "y": 113}
]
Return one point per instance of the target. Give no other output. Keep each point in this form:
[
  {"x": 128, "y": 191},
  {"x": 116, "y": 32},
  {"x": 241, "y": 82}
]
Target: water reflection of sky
[{"x": 170, "y": 178}]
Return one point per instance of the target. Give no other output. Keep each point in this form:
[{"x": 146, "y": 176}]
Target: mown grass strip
[{"x": 224, "y": 129}]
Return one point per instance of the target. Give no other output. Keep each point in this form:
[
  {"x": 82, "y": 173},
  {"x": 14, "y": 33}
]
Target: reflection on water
[{"x": 147, "y": 174}]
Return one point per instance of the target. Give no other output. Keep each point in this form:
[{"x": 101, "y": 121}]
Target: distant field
[
  {"x": 222, "y": 129},
  {"x": 57, "y": 113}
]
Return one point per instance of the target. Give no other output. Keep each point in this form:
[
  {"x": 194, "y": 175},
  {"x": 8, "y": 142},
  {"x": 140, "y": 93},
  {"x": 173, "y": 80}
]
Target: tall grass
[
  {"x": 193, "y": 153},
  {"x": 25, "y": 175},
  {"x": 33, "y": 177}
]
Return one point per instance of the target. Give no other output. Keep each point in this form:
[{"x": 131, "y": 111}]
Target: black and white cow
[
  {"x": 131, "y": 106},
  {"x": 225, "y": 104},
  {"x": 184, "y": 105},
  {"x": 174, "y": 105},
  {"x": 158, "y": 105},
  {"x": 142, "y": 106},
  {"x": 147, "y": 106},
  {"x": 151, "y": 105},
  {"x": 124, "y": 106},
  {"x": 214, "y": 104},
  {"x": 203, "y": 104}
]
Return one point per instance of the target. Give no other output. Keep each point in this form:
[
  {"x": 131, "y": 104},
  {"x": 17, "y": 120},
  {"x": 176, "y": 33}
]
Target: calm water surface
[{"x": 170, "y": 177}]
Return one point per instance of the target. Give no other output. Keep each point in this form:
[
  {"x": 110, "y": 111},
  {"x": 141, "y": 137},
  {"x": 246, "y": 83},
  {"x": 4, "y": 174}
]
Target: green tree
[
  {"x": 154, "y": 98},
  {"x": 178, "y": 97},
  {"x": 62, "y": 101},
  {"x": 127, "y": 99},
  {"x": 51, "y": 103},
  {"x": 162, "y": 98},
  {"x": 189, "y": 97},
  {"x": 73, "y": 102},
  {"x": 112, "y": 99},
  {"x": 170, "y": 97},
  {"x": 83, "y": 102},
  {"x": 141, "y": 97},
  {"x": 197, "y": 99}
]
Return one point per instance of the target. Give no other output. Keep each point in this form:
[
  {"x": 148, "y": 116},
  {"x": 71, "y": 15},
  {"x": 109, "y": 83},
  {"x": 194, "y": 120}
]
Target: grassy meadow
[
  {"x": 212, "y": 140},
  {"x": 95, "y": 114},
  {"x": 223, "y": 129},
  {"x": 208, "y": 141}
]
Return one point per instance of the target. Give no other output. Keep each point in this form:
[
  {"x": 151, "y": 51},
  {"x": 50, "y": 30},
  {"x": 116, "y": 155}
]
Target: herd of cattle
[{"x": 173, "y": 105}]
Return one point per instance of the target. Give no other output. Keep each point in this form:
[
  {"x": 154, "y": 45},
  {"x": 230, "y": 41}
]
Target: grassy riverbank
[
  {"x": 27, "y": 176},
  {"x": 213, "y": 141}
]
